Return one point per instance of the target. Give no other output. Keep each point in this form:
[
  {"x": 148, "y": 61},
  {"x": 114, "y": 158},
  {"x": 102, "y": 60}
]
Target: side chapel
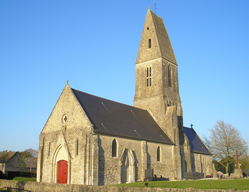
[{"x": 94, "y": 141}]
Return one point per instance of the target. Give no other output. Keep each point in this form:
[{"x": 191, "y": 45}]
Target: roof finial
[
  {"x": 149, "y": 7},
  {"x": 155, "y": 8},
  {"x": 191, "y": 126},
  {"x": 67, "y": 81}
]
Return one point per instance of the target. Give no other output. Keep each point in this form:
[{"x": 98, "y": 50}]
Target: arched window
[
  {"x": 158, "y": 154},
  {"x": 170, "y": 76},
  {"x": 148, "y": 77},
  {"x": 114, "y": 148}
]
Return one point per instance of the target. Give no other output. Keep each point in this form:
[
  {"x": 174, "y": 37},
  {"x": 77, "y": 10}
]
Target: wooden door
[{"x": 62, "y": 170}]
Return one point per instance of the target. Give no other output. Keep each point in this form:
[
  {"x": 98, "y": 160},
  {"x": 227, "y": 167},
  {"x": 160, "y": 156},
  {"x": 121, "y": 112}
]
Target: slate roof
[
  {"x": 163, "y": 38},
  {"x": 113, "y": 118},
  {"x": 196, "y": 145},
  {"x": 5, "y": 156}
]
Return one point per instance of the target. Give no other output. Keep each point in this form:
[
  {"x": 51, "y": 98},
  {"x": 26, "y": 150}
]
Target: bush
[{"x": 13, "y": 174}]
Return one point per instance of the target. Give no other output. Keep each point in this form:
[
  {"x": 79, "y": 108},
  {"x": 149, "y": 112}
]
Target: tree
[
  {"x": 225, "y": 140},
  {"x": 28, "y": 153},
  {"x": 206, "y": 140},
  {"x": 244, "y": 161},
  {"x": 33, "y": 152}
]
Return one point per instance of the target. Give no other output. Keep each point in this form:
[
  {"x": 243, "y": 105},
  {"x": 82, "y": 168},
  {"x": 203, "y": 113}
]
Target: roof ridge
[{"x": 107, "y": 99}]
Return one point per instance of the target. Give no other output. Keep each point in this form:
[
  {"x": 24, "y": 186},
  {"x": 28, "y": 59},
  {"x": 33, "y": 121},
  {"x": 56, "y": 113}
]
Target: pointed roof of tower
[{"x": 161, "y": 47}]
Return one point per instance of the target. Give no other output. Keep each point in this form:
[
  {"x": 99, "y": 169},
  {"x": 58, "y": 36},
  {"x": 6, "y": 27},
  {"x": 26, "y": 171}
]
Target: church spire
[
  {"x": 157, "y": 82},
  {"x": 155, "y": 42},
  {"x": 156, "y": 69}
]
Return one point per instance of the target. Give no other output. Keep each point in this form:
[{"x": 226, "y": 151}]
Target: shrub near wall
[
  {"x": 43, "y": 187},
  {"x": 12, "y": 174}
]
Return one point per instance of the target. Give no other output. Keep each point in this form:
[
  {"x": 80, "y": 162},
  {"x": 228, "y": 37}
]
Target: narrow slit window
[
  {"x": 158, "y": 154},
  {"x": 170, "y": 76},
  {"x": 77, "y": 147},
  {"x": 148, "y": 77},
  {"x": 48, "y": 148},
  {"x": 114, "y": 148},
  {"x": 149, "y": 45}
]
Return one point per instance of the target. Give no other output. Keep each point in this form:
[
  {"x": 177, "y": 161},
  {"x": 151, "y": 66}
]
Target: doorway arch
[
  {"x": 60, "y": 165},
  {"x": 127, "y": 167}
]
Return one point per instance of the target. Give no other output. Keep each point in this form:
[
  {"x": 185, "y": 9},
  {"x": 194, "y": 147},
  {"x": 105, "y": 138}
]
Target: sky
[{"x": 94, "y": 44}]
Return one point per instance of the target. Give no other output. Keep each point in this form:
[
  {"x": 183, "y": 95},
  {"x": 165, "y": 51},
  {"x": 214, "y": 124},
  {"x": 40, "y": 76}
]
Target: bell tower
[
  {"x": 156, "y": 71},
  {"x": 157, "y": 89}
]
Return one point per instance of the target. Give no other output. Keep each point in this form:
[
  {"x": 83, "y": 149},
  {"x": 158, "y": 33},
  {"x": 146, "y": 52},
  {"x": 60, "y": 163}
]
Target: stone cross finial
[
  {"x": 67, "y": 81},
  {"x": 237, "y": 160},
  {"x": 155, "y": 8}
]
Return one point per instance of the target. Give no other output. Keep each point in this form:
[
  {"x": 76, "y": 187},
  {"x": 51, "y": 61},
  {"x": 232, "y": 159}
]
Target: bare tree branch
[{"x": 224, "y": 141}]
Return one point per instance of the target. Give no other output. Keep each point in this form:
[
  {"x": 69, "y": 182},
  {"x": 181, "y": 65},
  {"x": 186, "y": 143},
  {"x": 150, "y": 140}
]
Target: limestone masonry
[{"x": 94, "y": 141}]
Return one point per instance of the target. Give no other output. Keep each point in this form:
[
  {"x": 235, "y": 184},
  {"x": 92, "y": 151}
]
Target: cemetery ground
[{"x": 239, "y": 184}]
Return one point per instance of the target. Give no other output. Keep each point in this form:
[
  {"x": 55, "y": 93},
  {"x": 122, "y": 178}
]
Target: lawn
[
  {"x": 239, "y": 184},
  {"x": 24, "y": 179}
]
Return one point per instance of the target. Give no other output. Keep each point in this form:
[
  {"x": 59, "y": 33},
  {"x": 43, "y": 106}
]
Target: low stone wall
[{"x": 28, "y": 186}]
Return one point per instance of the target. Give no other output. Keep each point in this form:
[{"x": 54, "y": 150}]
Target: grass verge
[
  {"x": 239, "y": 184},
  {"x": 33, "y": 179}
]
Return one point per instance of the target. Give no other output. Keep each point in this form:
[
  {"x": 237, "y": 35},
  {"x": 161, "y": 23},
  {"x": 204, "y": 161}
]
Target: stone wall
[
  {"x": 133, "y": 156},
  {"x": 44, "y": 187},
  {"x": 67, "y": 135},
  {"x": 201, "y": 163}
]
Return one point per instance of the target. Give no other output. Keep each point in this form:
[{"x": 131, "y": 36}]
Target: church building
[{"x": 95, "y": 141}]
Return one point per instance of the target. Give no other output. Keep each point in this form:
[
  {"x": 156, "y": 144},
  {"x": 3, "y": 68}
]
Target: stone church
[{"x": 94, "y": 141}]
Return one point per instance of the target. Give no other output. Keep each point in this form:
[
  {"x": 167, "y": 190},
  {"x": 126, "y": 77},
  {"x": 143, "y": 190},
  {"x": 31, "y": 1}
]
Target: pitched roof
[
  {"x": 196, "y": 144},
  {"x": 5, "y": 156},
  {"x": 112, "y": 118}
]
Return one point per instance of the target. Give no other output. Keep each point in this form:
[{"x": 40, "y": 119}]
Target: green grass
[
  {"x": 239, "y": 184},
  {"x": 33, "y": 179}
]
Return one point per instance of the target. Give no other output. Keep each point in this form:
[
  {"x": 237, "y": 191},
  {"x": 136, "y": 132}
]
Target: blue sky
[{"x": 94, "y": 45}]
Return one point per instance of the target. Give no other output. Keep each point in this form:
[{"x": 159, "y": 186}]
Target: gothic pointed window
[
  {"x": 158, "y": 154},
  {"x": 148, "y": 77},
  {"x": 114, "y": 148},
  {"x": 170, "y": 76}
]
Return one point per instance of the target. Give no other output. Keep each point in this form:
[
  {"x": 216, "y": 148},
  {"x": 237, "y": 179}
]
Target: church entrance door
[{"x": 62, "y": 170}]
